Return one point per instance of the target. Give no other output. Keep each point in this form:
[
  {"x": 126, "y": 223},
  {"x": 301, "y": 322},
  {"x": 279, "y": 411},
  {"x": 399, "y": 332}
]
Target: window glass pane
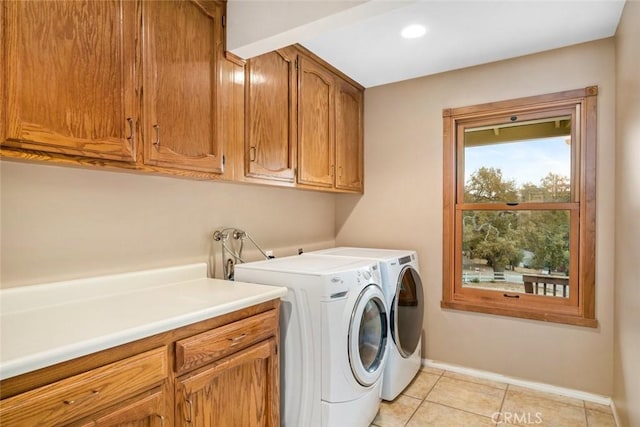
[
  {"x": 516, "y": 251},
  {"x": 523, "y": 162}
]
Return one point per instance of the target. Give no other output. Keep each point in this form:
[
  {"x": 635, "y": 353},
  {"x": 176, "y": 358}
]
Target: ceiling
[{"x": 362, "y": 38}]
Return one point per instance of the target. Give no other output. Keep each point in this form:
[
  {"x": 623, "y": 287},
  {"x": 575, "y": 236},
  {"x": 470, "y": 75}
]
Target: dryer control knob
[{"x": 366, "y": 274}]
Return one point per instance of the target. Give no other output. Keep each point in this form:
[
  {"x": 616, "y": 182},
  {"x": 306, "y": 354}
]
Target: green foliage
[
  {"x": 487, "y": 185},
  {"x": 552, "y": 188},
  {"x": 546, "y": 234},
  {"x": 501, "y": 237}
]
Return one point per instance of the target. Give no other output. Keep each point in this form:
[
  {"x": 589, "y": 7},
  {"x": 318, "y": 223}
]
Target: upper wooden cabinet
[
  {"x": 69, "y": 77},
  {"x": 182, "y": 50},
  {"x": 306, "y": 130},
  {"x": 316, "y": 126},
  {"x": 270, "y": 116},
  {"x": 349, "y": 138},
  {"x": 115, "y": 80},
  {"x": 145, "y": 85}
]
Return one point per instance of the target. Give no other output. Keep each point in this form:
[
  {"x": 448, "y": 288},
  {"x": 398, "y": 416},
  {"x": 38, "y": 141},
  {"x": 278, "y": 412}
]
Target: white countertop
[{"x": 46, "y": 324}]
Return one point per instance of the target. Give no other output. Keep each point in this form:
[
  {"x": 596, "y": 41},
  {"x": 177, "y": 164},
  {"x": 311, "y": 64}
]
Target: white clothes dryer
[
  {"x": 333, "y": 333},
  {"x": 402, "y": 287}
]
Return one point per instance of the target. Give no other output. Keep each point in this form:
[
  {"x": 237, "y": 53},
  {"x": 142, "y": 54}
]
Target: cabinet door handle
[
  {"x": 340, "y": 172},
  {"x": 237, "y": 339},
  {"x": 94, "y": 393},
  {"x": 161, "y": 419},
  {"x": 132, "y": 130},
  {"x": 157, "y": 141},
  {"x": 252, "y": 153},
  {"x": 190, "y": 419}
]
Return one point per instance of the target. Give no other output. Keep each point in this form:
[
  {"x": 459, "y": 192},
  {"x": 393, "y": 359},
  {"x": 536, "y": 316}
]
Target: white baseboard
[{"x": 548, "y": 388}]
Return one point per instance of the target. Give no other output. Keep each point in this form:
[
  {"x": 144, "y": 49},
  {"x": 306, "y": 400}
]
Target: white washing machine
[
  {"x": 402, "y": 287},
  {"x": 333, "y": 332}
]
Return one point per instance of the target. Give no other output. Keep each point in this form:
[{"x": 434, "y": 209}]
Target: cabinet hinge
[
  {"x": 296, "y": 63},
  {"x": 224, "y": 21},
  {"x": 224, "y": 160},
  {"x": 276, "y": 348}
]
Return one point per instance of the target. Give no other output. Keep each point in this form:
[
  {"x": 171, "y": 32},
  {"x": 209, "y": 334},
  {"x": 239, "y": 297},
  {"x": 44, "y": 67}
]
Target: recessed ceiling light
[{"x": 413, "y": 31}]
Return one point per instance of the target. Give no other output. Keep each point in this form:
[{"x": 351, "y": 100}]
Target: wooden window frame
[{"x": 579, "y": 309}]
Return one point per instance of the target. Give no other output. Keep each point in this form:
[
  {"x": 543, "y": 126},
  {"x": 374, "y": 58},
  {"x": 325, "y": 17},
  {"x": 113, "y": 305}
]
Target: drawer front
[
  {"x": 203, "y": 348},
  {"x": 86, "y": 393}
]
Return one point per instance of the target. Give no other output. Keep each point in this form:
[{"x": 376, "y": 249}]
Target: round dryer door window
[
  {"x": 368, "y": 336},
  {"x": 407, "y": 312}
]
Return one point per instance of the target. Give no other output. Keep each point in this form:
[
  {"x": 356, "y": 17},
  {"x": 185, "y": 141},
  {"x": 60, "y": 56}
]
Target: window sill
[{"x": 521, "y": 313}]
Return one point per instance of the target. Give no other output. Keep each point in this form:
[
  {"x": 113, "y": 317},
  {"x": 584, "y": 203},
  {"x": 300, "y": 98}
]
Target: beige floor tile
[
  {"x": 476, "y": 380},
  {"x": 434, "y": 371},
  {"x": 550, "y": 396},
  {"x": 600, "y": 419},
  {"x": 598, "y": 407},
  {"x": 526, "y": 407},
  {"x": 397, "y": 412},
  {"x": 477, "y": 398},
  {"x": 421, "y": 385},
  {"x": 433, "y": 414}
]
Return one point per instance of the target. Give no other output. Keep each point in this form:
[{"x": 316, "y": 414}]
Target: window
[{"x": 519, "y": 207}]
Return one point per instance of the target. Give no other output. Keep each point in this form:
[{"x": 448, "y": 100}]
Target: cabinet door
[
  {"x": 240, "y": 390},
  {"x": 144, "y": 411},
  {"x": 270, "y": 116},
  {"x": 70, "y": 77},
  {"x": 349, "y": 137},
  {"x": 182, "y": 49},
  {"x": 316, "y": 124}
]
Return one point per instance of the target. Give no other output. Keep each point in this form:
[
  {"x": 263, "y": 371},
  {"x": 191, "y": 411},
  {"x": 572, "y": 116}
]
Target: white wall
[
  {"x": 402, "y": 208},
  {"x": 627, "y": 287},
  {"x": 61, "y": 223}
]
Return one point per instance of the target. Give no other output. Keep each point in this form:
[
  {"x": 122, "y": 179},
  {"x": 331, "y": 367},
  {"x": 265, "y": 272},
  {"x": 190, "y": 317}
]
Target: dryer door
[
  {"x": 368, "y": 335},
  {"x": 407, "y": 311}
]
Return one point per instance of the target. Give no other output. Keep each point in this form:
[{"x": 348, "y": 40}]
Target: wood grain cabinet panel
[
  {"x": 203, "y": 348},
  {"x": 270, "y": 116},
  {"x": 349, "y": 138},
  {"x": 240, "y": 390},
  {"x": 182, "y": 50},
  {"x": 316, "y": 124},
  {"x": 86, "y": 393},
  {"x": 147, "y": 410},
  {"x": 69, "y": 70}
]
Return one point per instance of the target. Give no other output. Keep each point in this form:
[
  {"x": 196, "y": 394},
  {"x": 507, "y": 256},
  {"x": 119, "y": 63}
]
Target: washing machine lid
[
  {"x": 308, "y": 264},
  {"x": 371, "y": 253}
]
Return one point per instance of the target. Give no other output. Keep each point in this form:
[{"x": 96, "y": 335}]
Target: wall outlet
[{"x": 269, "y": 253}]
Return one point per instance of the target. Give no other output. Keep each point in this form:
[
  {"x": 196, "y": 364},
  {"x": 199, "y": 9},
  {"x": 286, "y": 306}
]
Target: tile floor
[{"x": 448, "y": 399}]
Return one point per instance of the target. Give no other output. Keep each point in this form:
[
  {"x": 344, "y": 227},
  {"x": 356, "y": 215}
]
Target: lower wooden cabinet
[
  {"x": 239, "y": 390},
  {"x": 227, "y": 374},
  {"x": 148, "y": 410},
  {"x": 86, "y": 393}
]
